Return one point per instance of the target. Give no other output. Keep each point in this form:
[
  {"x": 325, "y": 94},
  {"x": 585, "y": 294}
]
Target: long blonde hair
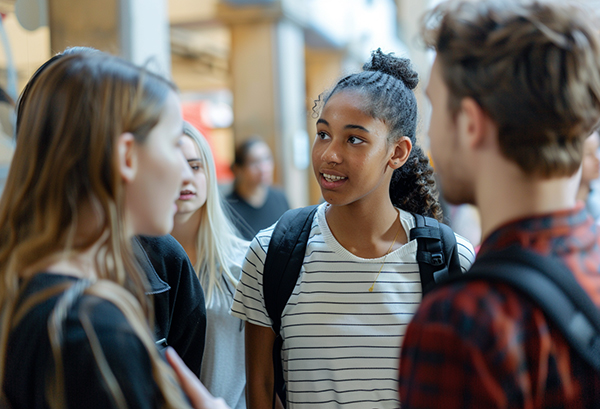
[
  {"x": 65, "y": 159},
  {"x": 217, "y": 239}
]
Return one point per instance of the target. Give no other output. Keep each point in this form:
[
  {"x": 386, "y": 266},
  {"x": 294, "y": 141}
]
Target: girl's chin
[
  {"x": 333, "y": 199},
  {"x": 185, "y": 209}
]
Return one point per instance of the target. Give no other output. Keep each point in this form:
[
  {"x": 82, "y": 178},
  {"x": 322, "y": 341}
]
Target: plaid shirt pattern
[{"x": 482, "y": 345}]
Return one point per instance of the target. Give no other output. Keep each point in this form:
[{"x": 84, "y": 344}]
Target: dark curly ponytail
[
  {"x": 388, "y": 82},
  {"x": 413, "y": 186}
]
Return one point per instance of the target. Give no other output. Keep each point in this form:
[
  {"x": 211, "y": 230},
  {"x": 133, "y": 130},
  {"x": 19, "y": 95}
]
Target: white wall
[{"x": 145, "y": 34}]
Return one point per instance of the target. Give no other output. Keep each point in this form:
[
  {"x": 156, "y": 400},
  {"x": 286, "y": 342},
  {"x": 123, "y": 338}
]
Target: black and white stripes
[{"x": 341, "y": 342}]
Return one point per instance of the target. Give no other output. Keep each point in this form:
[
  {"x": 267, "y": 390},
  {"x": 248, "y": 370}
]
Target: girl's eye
[
  {"x": 322, "y": 135},
  {"x": 354, "y": 140},
  {"x": 195, "y": 166}
]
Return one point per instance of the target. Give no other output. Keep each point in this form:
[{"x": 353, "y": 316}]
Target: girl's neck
[
  {"x": 364, "y": 230},
  {"x": 81, "y": 264},
  {"x": 185, "y": 231},
  {"x": 254, "y": 195},
  {"x": 78, "y": 264}
]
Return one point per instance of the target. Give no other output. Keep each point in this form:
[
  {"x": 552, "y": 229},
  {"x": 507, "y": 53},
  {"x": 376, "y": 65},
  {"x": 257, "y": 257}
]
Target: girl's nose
[
  {"x": 186, "y": 171},
  {"x": 331, "y": 153}
]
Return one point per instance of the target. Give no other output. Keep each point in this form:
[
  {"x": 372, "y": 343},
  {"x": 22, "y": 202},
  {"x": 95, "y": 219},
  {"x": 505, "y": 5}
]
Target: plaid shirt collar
[{"x": 559, "y": 232}]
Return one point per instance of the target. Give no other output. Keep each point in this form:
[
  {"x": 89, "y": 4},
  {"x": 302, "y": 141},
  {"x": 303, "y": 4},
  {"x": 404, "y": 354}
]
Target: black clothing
[
  {"x": 179, "y": 307},
  {"x": 249, "y": 219},
  {"x": 30, "y": 364},
  {"x": 180, "y": 318}
]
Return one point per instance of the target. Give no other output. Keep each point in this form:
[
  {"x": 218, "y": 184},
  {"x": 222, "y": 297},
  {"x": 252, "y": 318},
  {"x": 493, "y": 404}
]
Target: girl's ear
[
  {"x": 402, "y": 148},
  {"x": 127, "y": 157}
]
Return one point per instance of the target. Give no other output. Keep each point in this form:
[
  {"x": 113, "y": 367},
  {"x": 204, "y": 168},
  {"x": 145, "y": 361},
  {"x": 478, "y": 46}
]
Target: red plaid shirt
[{"x": 483, "y": 345}]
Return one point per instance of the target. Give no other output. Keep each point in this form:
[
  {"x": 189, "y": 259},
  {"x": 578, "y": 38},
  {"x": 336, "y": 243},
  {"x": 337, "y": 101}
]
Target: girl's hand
[{"x": 198, "y": 395}]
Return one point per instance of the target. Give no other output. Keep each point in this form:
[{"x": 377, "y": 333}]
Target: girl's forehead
[
  {"x": 347, "y": 100},
  {"x": 190, "y": 148}
]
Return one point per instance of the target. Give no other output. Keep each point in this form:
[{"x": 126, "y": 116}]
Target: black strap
[
  {"x": 284, "y": 260},
  {"x": 280, "y": 273},
  {"x": 437, "y": 252},
  {"x": 551, "y": 285}
]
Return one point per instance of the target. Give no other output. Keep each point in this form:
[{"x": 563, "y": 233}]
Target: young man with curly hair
[{"x": 515, "y": 90}]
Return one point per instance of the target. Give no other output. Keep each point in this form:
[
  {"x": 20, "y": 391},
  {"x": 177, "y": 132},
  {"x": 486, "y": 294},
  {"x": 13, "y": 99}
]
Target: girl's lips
[
  {"x": 186, "y": 195},
  {"x": 331, "y": 172},
  {"x": 331, "y": 183}
]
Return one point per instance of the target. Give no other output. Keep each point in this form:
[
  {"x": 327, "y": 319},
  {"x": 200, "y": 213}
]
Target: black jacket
[{"x": 179, "y": 305}]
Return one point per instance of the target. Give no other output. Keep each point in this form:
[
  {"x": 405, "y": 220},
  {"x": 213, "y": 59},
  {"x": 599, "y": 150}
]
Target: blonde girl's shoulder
[{"x": 239, "y": 249}]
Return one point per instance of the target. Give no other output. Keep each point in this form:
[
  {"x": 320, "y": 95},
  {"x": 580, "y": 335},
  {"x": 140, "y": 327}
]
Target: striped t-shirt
[{"x": 341, "y": 342}]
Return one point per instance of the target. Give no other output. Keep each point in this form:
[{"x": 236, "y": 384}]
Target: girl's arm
[{"x": 259, "y": 367}]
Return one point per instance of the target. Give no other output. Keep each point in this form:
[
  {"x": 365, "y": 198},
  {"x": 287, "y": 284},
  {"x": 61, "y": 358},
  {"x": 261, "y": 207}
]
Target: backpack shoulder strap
[
  {"x": 551, "y": 285},
  {"x": 280, "y": 273},
  {"x": 450, "y": 250},
  {"x": 437, "y": 252},
  {"x": 284, "y": 259}
]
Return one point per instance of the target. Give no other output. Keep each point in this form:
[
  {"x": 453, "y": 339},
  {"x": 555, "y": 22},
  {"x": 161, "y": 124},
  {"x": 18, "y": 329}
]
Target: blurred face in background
[
  {"x": 257, "y": 170},
  {"x": 193, "y": 192},
  {"x": 590, "y": 167}
]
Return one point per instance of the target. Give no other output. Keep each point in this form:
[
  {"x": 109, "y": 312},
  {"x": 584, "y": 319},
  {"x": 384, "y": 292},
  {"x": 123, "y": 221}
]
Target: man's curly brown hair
[{"x": 532, "y": 66}]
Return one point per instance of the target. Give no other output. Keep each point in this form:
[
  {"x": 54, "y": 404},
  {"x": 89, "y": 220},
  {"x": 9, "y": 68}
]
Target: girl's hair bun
[{"x": 400, "y": 68}]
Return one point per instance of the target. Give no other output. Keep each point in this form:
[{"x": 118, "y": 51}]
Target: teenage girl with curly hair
[{"x": 359, "y": 284}]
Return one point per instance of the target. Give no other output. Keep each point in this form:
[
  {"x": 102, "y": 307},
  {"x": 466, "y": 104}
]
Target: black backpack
[
  {"x": 437, "y": 256},
  {"x": 551, "y": 286}
]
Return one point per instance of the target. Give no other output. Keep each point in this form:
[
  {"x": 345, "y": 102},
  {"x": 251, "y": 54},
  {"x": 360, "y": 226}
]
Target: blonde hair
[
  {"x": 217, "y": 237},
  {"x": 71, "y": 115}
]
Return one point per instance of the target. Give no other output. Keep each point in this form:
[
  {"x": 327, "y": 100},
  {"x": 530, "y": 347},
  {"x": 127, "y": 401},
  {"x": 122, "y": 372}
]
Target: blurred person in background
[
  {"x": 590, "y": 172},
  {"x": 217, "y": 253},
  {"x": 515, "y": 91},
  {"x": 255, "y": 203}
]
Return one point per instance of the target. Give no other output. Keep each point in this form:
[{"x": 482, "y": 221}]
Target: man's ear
[
  {"x": 474, "y": 123},
  {"x": 402, "y": 148},
  {"x": 127, "y": 157}
]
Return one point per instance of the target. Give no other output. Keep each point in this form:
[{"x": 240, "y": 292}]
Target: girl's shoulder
[
  {"x": 238, "y": 250},
  {"x": 59, "y": 304},
  {"x": 465, "y": 249},
  {"x": 263, "y": 237},
  {"x": 84, "y": 324},
  {"x": 67, "y": 298}
]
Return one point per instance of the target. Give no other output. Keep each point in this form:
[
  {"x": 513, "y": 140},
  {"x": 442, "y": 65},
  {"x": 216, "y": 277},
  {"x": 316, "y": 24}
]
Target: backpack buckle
[{"x": 437, "y": 259}]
